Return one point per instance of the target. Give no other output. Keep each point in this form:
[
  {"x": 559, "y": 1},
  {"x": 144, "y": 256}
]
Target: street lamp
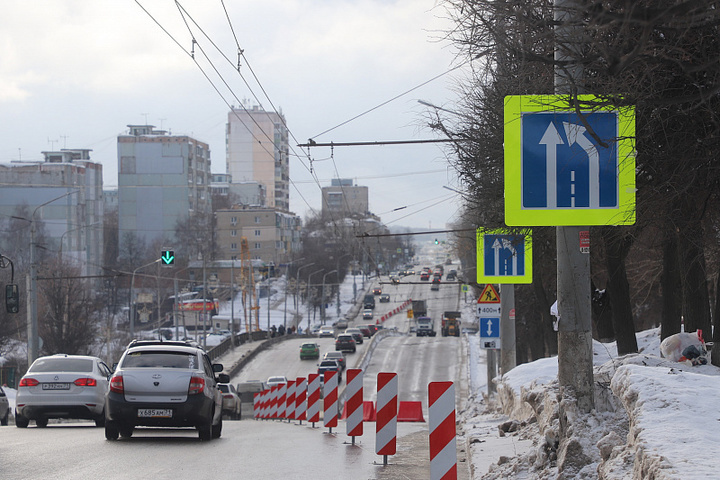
[
  {"x": 322, "y": 300},
  {"x": 33, "y": 339},
  {"x": 308, "y": 285},
  {"x": 130, "y": 300}
]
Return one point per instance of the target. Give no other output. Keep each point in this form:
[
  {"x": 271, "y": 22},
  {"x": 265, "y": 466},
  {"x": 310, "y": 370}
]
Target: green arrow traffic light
[{"x": 167, "y": 257}]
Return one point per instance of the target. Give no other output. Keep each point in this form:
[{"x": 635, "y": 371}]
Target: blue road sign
[
  {"x": 504, "y": 255},
  {"x": 489, "y": 327},
  {"x": 563, "y": 166}
]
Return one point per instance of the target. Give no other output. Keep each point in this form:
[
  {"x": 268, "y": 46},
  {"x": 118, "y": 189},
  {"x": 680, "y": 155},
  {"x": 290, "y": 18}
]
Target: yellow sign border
[
  {"x": 502, "y": 279},
  {"x": 515, "y": 215}
]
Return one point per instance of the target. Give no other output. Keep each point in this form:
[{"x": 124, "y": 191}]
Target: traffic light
[
  {"x": 167, "y": 257},
  {"x": 12, "y": 299},
  {"x": 436, "y": 241}
]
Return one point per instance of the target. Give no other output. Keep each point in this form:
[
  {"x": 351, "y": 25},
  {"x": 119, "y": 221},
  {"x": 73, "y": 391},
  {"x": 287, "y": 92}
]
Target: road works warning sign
[{"x": 489, "y": 295}]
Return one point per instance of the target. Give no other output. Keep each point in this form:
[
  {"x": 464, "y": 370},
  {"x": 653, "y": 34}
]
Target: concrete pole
[
  {"x": 575, "y": 369},
  {"x": 507, "y": 328}
]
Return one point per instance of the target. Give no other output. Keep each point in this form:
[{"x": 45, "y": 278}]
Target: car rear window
[
  {"x": 224, "y": 388},
  {"x": 62, "y": 364},
  {"x": 164, "y": 359}
]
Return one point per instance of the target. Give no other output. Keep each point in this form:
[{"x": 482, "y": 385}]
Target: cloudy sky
[{"x": 75, "y": 73}]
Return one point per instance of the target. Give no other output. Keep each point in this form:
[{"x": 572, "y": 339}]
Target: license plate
[
  {"x": 56, "y": 386},
  {"x": 155, "y": 412}
]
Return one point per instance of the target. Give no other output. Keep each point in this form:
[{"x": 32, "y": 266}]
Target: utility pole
[{"x": 575, "y": 368}]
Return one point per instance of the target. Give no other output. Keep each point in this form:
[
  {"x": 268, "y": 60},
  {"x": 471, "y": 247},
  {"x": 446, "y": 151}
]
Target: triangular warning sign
[{"x": 489, "y": 295}]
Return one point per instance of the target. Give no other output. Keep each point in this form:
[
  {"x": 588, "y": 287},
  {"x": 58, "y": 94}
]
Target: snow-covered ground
[{"x": 653, "y": 419}]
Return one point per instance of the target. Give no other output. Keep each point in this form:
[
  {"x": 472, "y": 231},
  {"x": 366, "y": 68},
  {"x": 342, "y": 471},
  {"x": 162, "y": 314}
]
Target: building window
[
  {"x": 257, "y": 219},
  {"x": 257, "y": 245},
  {"x": 257, "y": 233},
  {"x": 233, "y": 246},
  {"x": 233, "y": 233},
  {"x": 233, "y": 220}
]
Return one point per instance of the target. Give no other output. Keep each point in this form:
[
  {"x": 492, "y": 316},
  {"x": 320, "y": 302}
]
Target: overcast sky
[{"x": 75, "y": 73}]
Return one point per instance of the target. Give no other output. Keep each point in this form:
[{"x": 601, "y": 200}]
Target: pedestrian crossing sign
[{"x": 489, "y": 295}]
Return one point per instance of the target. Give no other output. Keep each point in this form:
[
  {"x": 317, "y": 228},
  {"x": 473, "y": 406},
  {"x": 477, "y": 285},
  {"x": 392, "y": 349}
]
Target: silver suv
[{"x": 164, "y": 384}]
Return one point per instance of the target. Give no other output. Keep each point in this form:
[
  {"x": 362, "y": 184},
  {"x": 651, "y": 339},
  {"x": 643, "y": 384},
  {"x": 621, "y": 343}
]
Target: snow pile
[{"x": 651, "y": 419}]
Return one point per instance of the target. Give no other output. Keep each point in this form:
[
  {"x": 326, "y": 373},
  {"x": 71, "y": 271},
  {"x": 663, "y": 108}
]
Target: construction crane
[{"x": 247, "y": 284}]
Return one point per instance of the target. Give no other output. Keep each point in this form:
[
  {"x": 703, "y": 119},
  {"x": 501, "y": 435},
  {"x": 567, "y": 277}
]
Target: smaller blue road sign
[{"x": 489, "y": 327}]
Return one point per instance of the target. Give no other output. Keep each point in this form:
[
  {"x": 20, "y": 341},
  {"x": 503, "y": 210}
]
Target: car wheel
[
  {"x": 20, "y": 421},
  {"x": 41, "y": 422},
  {"x": 111, "y": 431},
  {"x": 217, "y": 429},
  {"x": 126, "y": 431},
  {"x": 205, "y": 432},
  {"x": 100, "y": 420},
  {"x": 4, "y": 420}
]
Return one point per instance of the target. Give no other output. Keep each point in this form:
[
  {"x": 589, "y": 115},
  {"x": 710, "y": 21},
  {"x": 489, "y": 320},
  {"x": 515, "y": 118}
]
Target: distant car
[
  {"x": 341, "y": 324},
  {"x": 452, "y": 275},
  {"x": 370, "y": 326},
  {"x": 345, "y": 342},
  {"x": 247, "y": 390},
  {"x": 377, "y": 291},
  {"x": 367, "y": 314},
  {"x": 326, "y": 331},
  {"x": 276, "y": 380},
  {"x": 435, "y": 285},
  {"x": 329, "y": 365},
  {"x": 394, "y": 280},
  {"x": 62, "y": 386},
  {"x": 365, "y": 330},
  {"x": 165, "y": 384},
  {"x": 356, "y": 333},
  {"x": 338, "y": 357},
  {"x": 314, "y": 329},
  {"x": 425, "y": 276},
  {"x": 385, "y": 298},
  {"x": 309, "y": 350},
  {"x": 231, "y": 404},
  {"x": 4, "y": 408}
]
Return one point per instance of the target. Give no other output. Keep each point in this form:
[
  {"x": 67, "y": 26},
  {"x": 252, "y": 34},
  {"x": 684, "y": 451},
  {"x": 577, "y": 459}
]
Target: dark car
[
  {"x": 435, "y": 285},
  {"x": 377, "y": 291},
  {"x": 338, "y": 357},
  {"x": 365, "y": 330},
  {"x": 329, "y": 365},
  {"x": 164, "y": 384},
  {"x": 345, "y": 343},
  {"x": 356, "y": 333}
]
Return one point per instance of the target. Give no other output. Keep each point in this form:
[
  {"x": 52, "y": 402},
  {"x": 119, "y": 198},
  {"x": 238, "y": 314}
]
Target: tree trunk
[
  {"x": 715, "y": 353},
  {"x": 696, "y": 302},
  {"x": 617, "y": 245},
  {"x": 671, "y": 286},
  {"x": 548, "y": 335}
]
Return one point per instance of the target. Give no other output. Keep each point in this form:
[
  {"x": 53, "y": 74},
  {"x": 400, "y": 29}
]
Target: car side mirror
[
  {"x": 218, "y": 367},
  {"x": 223, "y": 378}
]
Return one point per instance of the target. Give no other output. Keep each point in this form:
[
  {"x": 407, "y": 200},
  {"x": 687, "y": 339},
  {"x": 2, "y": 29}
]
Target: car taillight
[
  {"x": 86, "y": 382},
  {"x": 197, "y": 385},
  {"x": 28, "y": 382},
  {"x": 116, "y": 384},
  {"x": 228, "y": 396}
]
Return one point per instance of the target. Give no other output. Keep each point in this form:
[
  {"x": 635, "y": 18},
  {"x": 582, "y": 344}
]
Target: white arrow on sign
[
  {"x": 551, "y": 139},
  {"x": 576, "y": 134},
  {"x": 506, "y": 244},
  {"x": 489, "y": 331}
]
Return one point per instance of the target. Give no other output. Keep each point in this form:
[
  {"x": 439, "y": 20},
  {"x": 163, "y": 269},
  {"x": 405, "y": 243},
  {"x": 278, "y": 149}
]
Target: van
[{"x": 369, "y": 301}]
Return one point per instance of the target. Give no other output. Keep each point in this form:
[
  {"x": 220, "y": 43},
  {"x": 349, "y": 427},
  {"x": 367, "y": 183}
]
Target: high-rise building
[
  {"x": 65, "y": 193},
  {"x": 162, "y": 179},
  {"x": 257, "y": 150},
  {"x": 344, "y": 199}
]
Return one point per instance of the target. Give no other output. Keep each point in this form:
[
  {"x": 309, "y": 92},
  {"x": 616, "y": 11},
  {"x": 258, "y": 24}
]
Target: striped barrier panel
[
  {"x": 265, "y": 404},
  {"x": 281, "y": 400},
  {"x": 313, "y": 408},
  {"x": 443, "y": 448},
  {"x": 290, "y": 401},
  {"x": 354, "y": 403},
  {"x": 257, "y": 406},
  {"x": 386, "y": 416},
  {"x": 274, "y": 394},
  {"x": 300, "y": 398},
  {"x": 330, "y": 402}
]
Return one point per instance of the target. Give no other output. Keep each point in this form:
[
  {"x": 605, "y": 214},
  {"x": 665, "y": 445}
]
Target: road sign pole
[
  {"x": 507, "y": 328},
  {"x": 575, "y": 369}
]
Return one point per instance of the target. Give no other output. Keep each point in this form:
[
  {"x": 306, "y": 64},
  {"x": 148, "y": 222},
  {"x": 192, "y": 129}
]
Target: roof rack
[{"x": 180, "y": 343}]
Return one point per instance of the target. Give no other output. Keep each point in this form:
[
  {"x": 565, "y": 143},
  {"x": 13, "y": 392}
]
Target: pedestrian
[
  {"x": 281, "y": 330},
  {"x": 272, "y": 331}
]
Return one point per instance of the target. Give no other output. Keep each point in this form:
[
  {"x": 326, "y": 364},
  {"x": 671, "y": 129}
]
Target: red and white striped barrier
[
  {"x": 300, "y": 397},
  {"x": 274, "y": 395},
  {"x": 290, "y": 403},
  {"x": 443, "y": 447},
  {"x": 281, "y": 400},
  {"x": 354, "y": 403},
  {"x": 330, "y": 392},
  {"x": 257, "y": 404},
  {"x": 386, "y": 421},
  {"x": 313, "y": 408}
]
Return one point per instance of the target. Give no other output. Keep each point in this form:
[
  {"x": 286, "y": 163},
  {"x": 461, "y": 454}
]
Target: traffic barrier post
[
  {"x": 313, "y": 408},
  {"x": 443, "y": 447},
  {"x": 300, "y": 399},
  {"x": 290, "y": 402},
  {"x": 354, "y": 403},
  {"x": 330, "y": 402},
  {"x": 386, "y": 423}
]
